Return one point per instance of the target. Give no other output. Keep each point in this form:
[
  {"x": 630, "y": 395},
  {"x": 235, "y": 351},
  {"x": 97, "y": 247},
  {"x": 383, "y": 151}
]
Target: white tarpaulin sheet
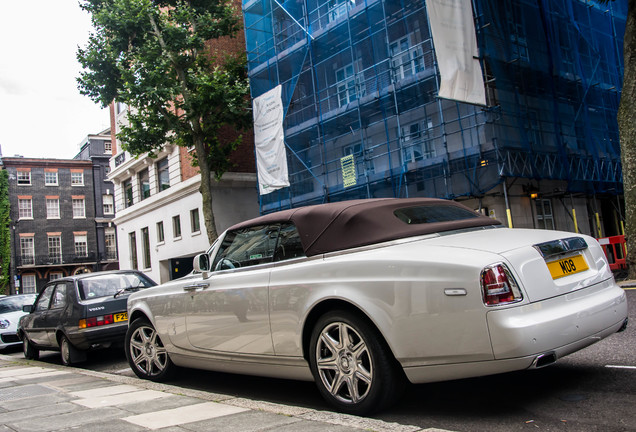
[
  {"x": 271, "y": 156},
  {"x": 455, "y": 43}
]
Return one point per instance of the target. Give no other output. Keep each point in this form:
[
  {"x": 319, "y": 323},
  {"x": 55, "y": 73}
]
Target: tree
[
  {"x": 627, "y": 133},
  {"x": 155, "y": 56},
  {"x": 5, "y": 233}
]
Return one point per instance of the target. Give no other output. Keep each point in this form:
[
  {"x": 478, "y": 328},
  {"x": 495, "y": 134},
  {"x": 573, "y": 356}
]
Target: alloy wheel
[
  {"x": 344, "y": 363},
  {"x": 147, "y": 352}
]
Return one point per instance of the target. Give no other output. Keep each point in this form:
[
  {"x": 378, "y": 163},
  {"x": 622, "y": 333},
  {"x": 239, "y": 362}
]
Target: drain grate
[{"x": 25, "y": 391}]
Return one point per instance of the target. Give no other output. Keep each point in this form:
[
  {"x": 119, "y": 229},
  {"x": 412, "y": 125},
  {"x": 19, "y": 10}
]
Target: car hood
[
  {"x": 12, "y": 317},
  {"x": 516, "y": 247}
]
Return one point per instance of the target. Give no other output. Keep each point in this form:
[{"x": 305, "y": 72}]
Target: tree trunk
[
  {"x": 627, "y": 130},
  {"x": 206, "y": 186}
]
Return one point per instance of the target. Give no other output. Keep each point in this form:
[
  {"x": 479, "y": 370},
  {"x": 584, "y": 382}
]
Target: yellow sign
[{"x": 349, "y": 177}]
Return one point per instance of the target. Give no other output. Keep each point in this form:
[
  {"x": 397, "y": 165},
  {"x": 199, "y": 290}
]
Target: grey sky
[{"x": 42, "y": 114}]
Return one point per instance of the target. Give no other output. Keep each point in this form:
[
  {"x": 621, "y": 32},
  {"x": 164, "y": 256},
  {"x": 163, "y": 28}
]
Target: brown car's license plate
[
  {"x": 120, "y": 317},
  {"x": 567, "y": 266}
]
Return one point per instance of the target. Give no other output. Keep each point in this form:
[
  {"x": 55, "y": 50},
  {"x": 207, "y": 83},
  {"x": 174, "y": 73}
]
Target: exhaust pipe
[
  {"x": 545, "y": 359},
  {"x": 623, "y": 327}
]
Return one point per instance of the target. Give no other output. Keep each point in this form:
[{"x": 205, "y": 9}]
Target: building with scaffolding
[{"x": 363, "y": 119}]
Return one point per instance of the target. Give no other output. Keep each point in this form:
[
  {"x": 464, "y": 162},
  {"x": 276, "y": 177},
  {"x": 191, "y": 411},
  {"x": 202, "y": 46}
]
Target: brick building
[{"x": 53, "y": 220}]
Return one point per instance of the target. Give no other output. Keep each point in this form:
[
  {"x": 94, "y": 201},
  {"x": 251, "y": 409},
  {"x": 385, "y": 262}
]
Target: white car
[
  {"x": 10, "y": 313},
  {"x": 363, "y": 296}
]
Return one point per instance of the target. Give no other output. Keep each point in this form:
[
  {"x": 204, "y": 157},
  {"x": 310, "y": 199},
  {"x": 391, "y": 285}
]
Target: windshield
[
  {"x": 109, "y": 284},
  {"x": 13, "y": 304}
]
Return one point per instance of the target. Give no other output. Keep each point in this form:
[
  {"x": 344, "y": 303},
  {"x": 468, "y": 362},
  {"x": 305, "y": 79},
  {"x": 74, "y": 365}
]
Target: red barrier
[{"x": 615, "y": 251}]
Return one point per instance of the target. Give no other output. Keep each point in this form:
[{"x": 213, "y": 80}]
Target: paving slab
[
  {"x": 69, "y": 399},
  {"x": 182, "y": 415}
]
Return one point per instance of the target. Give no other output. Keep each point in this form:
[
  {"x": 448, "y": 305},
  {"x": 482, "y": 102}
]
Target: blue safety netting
[{"x": 359, "y": 78}]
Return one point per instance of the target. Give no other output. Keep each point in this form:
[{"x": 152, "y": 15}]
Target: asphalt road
[{"x": 591, "y": 390}]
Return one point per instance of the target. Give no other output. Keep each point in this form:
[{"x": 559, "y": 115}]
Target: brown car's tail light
[
  {"x": 499, "y": 286},
  {"x": 96, "y": 321}
]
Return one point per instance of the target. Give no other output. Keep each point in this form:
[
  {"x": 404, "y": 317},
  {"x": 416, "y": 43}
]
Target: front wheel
[
  {"x": 353, "y": 368},
  {"x": 145, "y": 352},
  {"x": 30, "y": 352}
]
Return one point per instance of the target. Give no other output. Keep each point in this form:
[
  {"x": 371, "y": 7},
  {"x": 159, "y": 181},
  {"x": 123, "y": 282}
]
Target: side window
[
  {"x": 289, "y": 245},
  {"x": 59, "y": 297},
  {"x": 45, "y": 299},
  {"x": 246, "y": 247}
]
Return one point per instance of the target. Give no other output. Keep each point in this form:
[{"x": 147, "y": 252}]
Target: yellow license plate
[
  {"x": 567, "y": 266},
  {"x": 121, "y": 317}
]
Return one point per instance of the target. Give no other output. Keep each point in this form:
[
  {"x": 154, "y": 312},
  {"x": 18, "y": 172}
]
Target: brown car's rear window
[{"x": 431, "y": 214}]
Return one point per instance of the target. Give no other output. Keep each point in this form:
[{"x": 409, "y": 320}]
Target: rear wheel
[
  {"x": 145, "y": 352},
  {"x": 353, "y": 368},
  {"x": 69, "y": 353},
  {"x": 30, "y": 352}
]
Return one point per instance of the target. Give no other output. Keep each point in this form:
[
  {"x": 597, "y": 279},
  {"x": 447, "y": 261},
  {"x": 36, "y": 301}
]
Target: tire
[
  {"x": 146, "y": 355},
  {"x": 353, "y": 367},
  {"x": 69, "y": 354},
  {"x": 30, "y": 352}
]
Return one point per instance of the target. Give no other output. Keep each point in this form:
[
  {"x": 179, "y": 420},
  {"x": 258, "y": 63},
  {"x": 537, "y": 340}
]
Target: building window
[
  {"x": 338, "y": 8},
  {"x": 145, "y": 244},
  {"x": 77, "y": 178},
  {"x": 194, "y": 221},
  {"x": 109, "y": 204},
  {"x": 160, "y": 236},
  {"x": 405, "y": 59},
  {"x": 132, "y": 240},
  {"x": 52, "y": 207},
  {"x": 50, "y": 178},
  {"x": 81, "y": 247},
  {"x": 144, "y": 184},
  {"x": 128, "y": 193},
  {"x": 176, "y": 227},
  {"x": 108, "y": 147},
  {"x": 55, "y": 249},
  {"x": 346, "y": 85},
  {"x": 545, "y": 217},
  {"x": 55, "y": 275},
  {"x": 111, "y": 243},
  {"x": 79, "y": 208},
  {"x": 28, "y": 284},
  {"x": 24, "y": 178},
  {"x": 163, "y": 175},
  {"x": 25, "y": 208},
  {"x": 27, "y": 250}
]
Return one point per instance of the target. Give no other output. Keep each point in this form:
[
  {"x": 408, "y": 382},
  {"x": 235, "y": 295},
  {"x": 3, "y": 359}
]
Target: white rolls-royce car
[{"x": 364, "y": 296}]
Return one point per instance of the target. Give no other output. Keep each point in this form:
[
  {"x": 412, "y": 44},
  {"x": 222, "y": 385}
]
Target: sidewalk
[{"x": 38, "y": 397}]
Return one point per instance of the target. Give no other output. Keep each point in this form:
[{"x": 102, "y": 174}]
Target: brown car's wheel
[
  {"x": 30, "y": 352},
  {"x": 353, "y": 368},
  {"x": 145, "y": 352}
]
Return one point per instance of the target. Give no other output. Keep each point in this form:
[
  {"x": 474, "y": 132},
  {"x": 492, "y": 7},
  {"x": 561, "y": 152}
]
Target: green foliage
[
  {"x": 152, "y": 55},
  {"x": 5, "y": 233}
]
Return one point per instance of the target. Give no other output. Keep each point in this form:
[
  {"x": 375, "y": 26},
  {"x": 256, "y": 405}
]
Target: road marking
[
  {"x": 620, "y": 367},
  {"x": 186, "y": 414}
]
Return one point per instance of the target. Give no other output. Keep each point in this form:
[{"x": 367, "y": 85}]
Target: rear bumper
[
  {"x": 85, "y": 339},
  {"x": 435, "y": 373},
  {"x": 561, "y": 324}
]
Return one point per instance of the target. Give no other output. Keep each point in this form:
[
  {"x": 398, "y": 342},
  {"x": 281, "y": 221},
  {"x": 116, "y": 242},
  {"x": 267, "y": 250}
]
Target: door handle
[{"x": 196, "y": 286}]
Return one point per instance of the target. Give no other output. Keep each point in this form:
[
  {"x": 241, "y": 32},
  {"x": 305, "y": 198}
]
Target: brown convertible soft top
[{"x": 343, "y": 225}]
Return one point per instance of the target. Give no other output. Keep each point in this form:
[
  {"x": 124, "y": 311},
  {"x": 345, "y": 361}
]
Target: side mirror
[
  {"x": 201, "y": 264},
  {"x": 27, "y": 308}
]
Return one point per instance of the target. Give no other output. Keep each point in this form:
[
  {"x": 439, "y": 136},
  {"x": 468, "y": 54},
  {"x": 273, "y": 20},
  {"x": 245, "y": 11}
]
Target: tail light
[
  {"x": 499, "y": 286},
  {"x": 96, "y": 321}
]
